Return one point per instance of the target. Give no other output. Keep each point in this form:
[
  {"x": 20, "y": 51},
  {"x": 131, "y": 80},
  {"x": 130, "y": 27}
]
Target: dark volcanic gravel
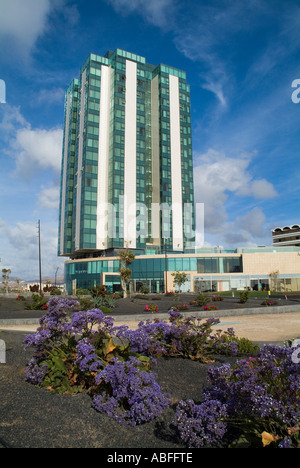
[
  {"x": 35, "y": 418},
  {"x": 10, "y": 308}
]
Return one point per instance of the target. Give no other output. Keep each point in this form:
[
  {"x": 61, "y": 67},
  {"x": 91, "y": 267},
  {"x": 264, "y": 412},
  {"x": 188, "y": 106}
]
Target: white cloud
[
  {"x": 37, "y": 149},
  {"x": 50, "y": 96},
  {"x": 157, "y": 12},
  {"x": 20, "y": 249},
  {"x": 216, "y": 87},
  {"x": 32, "y": 149},
  {"x": 263, "y": 189},
  {"x": 210, "y": 35},
  {"x": 217, "y": 177},
  {"x": 49, "y": 197},
  {"x": 35, "y": 157},
  {"x": 12, "y": 119},
  {"x": 250, "y": 225},
  {"x": 22, "y": 22}
]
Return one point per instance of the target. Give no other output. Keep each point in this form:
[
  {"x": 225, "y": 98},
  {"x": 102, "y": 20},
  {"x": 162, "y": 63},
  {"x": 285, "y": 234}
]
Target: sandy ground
[{"x": 262, "y": 327}]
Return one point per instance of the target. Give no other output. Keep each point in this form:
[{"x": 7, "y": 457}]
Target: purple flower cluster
[
  {"x": 224, "y": 342},
  {"x": 68, "y": 349},
  {"x": 34, "y": 373},
  {"x": 67, "y": 345},
  {"x": 83, "y": 322},
  {"x": 201, "y": 425},
  {"x": 180, "y": 337},
  {"x": 56, "y": 317},
  {"x": 261, "y": 392},
  {"x": 38, "y": 340},
  {"x": 149, "y": 338},
  {"x": 62, "y": 328},
  {"x": 54, "y": 324},
  {"x": 184, "y": 337},
  {"x": 266, "y": 386},
  {"x": 129, "y": 395},
  {"x": 87, "y": 359}
]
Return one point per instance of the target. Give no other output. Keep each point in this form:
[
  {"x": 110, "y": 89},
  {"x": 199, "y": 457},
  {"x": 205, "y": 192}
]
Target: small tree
[
  {"x": 126, "y": 258},
  {"x": 179, "y": 279},
  {"x": 19, "y": 288},
  {"x": 274, "y": 279},
  {"x": 5, "y": 275}
]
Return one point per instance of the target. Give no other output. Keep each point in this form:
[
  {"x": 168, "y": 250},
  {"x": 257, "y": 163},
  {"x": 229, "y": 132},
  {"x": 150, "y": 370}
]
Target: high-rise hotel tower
[{"x": 127, "y": 167}]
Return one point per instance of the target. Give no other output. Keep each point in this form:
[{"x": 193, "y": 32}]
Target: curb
[
  {"x": 272, "y": 310},
  {"x": 26, "y": 321}
]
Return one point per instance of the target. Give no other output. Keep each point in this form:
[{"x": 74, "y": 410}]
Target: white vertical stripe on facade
[
  {"x": 103, "y": 158},
  {"x": 80, "y": 151},
  {"x": 176, "y": 176},
  {"x": 130, "y": 156},
  {"x": 64, "y": 175},
  {"x": 155, "y": 208}
]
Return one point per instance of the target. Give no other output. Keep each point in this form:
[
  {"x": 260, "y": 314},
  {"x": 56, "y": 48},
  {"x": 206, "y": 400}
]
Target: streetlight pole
[
  {"x": 40, "y": 261},
  {"x": 166, "y": 266},
  {"x": 56, "y": 274}
]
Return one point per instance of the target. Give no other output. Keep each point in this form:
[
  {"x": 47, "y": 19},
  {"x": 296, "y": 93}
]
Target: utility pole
[
  {"x": 40, "y": 261},
  {"x": 56, "y": 274},
  {"x": 166, "y": 266}
]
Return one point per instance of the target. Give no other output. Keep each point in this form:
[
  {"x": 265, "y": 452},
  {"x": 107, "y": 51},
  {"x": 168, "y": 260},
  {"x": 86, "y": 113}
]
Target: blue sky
[{"x": 241, "y": 59}]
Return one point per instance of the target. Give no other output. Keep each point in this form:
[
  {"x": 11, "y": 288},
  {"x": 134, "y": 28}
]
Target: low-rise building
[
  {"x": 260, "y": 268},
  {"x": 286, "y": 236}
]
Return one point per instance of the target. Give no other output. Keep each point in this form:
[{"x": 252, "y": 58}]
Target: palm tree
[
  {"x": 126, "y": 258},
  {"x": 5, "y": 275}
]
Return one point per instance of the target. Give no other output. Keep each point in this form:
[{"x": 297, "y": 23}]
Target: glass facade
[
  {"x": 150, "y": 271},
  {"x": 89, "y": 120},
  {"x": 66, "y": 225},
  {"x": 219, "y": 265},
  {"x": 88, "y": 274}
]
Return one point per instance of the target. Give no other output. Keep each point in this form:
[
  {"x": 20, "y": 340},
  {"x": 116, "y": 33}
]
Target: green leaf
[
  {"x": 144, "y": 358},
  {"x": 59, "y": 363}
]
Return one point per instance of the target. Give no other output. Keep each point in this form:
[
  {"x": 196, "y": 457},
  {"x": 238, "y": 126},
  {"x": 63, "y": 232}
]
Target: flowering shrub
[
  {"x": 151, "y": 308},
  {"x": 20, "y": 298},
  {"x": 257, "y": 401},
  {"x": 179, "y": 307},
  {"x": 210, "y": 307},
  {"x": 131, "y": 396},
  {"x": 79, "y": 351},
  {"x": 201, "y": 425},
  {"x": 202, "y": 300},
  {"x": 181, "y": 337},
  {"x": 156, "y": 298},
  {"x": 269, "y": 303},
  {"x": 38, "y": 302},
  {"x": 72, "y": 355},
  {"x": 225, "y": 342}
]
